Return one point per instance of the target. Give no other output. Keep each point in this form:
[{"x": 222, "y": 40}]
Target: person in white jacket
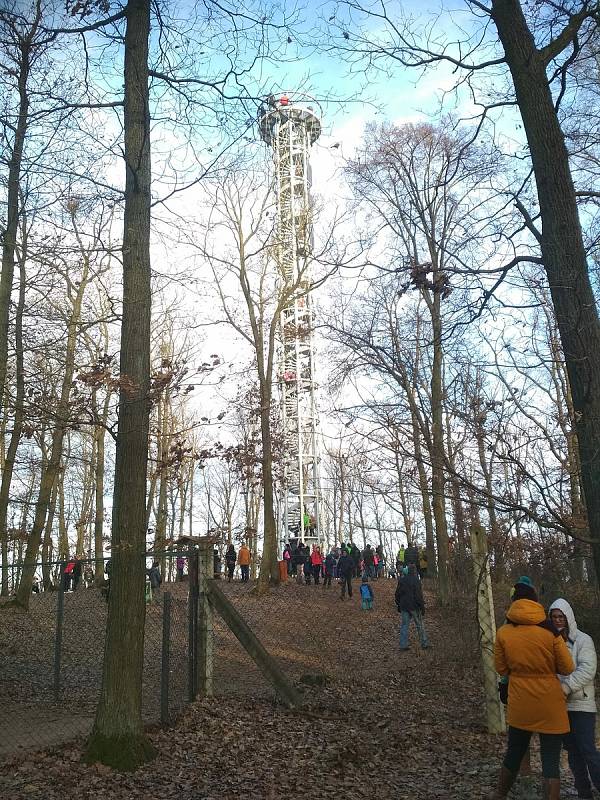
[{"x": 578, "y": 687}]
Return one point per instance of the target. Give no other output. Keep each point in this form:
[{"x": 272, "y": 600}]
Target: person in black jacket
[
  {"x": 345, "y": 570},
  {"x": 409, "y": 600},
  {"x": 230, "y": 562},
  {"x": 77, "y": 573},
  {"x": 154, "y": 576},
  {"x": 355, "y": 555},
  {"x": 411, "y": 555}
]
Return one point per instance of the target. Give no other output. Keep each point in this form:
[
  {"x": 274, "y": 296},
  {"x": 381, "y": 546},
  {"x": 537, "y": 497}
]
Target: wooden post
[
  {"x": 487, "y": 629},
  {"x": 254, "y": 648},
  {"x": 205, "y": 641},
  {"x": 165, "y": 659}
]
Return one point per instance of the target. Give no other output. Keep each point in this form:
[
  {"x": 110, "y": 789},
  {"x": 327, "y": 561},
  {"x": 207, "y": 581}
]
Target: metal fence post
[
  {"x": 60, "y": 615},
  {"x": 165, "y": 659}
]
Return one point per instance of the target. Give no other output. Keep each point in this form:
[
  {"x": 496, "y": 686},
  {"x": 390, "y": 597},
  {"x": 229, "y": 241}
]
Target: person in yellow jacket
[
  {"x": 531, "y": 652},
  {"x": 244, "y": 562}
]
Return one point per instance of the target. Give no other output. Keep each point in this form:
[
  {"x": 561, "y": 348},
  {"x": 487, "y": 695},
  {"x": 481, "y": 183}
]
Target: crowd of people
[
  {"x": 547, "y": 667},
  {"x": 311, "y": 565}
]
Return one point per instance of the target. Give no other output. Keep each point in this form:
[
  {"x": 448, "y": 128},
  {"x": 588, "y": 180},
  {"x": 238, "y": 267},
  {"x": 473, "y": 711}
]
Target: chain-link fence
[{"x": 51, "y": 657}]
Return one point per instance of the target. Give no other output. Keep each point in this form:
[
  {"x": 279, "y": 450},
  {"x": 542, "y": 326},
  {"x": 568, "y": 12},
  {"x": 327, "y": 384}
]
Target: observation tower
[{"x": 291, "y": 125}]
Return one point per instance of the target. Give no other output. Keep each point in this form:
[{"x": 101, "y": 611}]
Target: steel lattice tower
[{"x": 290, "y": 127}]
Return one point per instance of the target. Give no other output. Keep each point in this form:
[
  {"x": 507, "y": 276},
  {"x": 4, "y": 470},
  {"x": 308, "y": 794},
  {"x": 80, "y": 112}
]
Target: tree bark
[
  {"x": 269, "y": 570},
  {"x": 100, "y": 434},
  {"x": 9, "y": 238},
  {"x": 117, "y": 738},
  {"x": 438, "y": 478},
  {"x": 15, "y": 437}
]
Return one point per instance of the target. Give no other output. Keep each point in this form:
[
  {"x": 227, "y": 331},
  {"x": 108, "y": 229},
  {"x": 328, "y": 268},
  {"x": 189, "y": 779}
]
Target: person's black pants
[
  {"x": 245, "y": 572},
  {"x": 347, "y": 582},
  {"x": 550, "y": 746},
  {"x": 584, "y": 758},
  {"x": 316, "y": 573},
  {"x": 230, "y": 571},
  {"x": 327, "y": 579}
]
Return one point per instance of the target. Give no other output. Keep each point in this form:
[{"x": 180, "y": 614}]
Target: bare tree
[{"x": 538, "y": 47}]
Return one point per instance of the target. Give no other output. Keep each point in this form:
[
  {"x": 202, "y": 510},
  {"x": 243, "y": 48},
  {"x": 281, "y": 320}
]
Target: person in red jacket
[
  {"x": 316, "y": 562},
  {"x": 68, "y": 573}
]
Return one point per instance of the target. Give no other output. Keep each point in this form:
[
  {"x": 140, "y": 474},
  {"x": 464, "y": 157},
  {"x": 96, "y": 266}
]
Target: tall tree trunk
[
  {"x": 562, "y": 245},
  {"x": 269, "y": 569},
  {"x": 165, "y": 420},
  {"x": 438, "y": 478},
  {"x": 9, "y": 237},
  {"x": 100, "y": 434},
  {"x": 15, "y": 437},
  {"x": 340, "y": 533},
  {"x": 494, "y": 532},
  {"x": 117, "y": 737},
  {"x": 425, "y": 499},
  {"x": 63, "y": 537},
  {"x": 47, "y": 541}
]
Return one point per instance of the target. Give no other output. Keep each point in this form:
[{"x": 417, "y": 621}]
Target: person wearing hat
[
  {"x": 531, "y": 651},
  {"x": 411, "y": 606},
  {"x": 578, "y": 688}
]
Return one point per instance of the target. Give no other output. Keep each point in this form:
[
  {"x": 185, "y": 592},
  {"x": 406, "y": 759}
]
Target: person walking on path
[
  {"x": 287, "y": 557},
  {"x": 578, "y": 688},
  {"x": 299, "y": 559},
  {"x": 400, "y": 559},
  {"x": 328, "y": 569},
  {"x": 244, "y": 562},
  {"x": 410, "y": 603},
  {"x": 411, "y": 555},
  {"x": 366, "y": 595},
  {"x": 316, "y": 562},
  {"x": 68, "y": 574},
  {"x": 355, "y": 554},
  {"x": 230, "y": 561},
  {"x": 77, "y": 573},
  {"x": 531, "y": 652},
  {"x": 422, "y": 563},
  {"x": 345, "y": 569},
  {"x": 369, "y": 561},
  {"x": 154, "y": 578}
]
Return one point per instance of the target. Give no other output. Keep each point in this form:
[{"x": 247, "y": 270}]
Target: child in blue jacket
[{"x": 366, "y": 595}]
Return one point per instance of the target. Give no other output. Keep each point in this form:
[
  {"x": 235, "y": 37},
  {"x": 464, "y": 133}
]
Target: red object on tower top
[{"x": 284, "y": 101}]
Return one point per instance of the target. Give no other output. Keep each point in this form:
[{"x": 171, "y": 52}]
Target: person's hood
[
  {"x": 562, "y": 605},
  {"x": 526, "y": 612}
]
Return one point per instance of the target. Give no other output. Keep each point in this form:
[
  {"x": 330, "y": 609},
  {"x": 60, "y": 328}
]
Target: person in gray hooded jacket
[{"x": 578, "y": 687}]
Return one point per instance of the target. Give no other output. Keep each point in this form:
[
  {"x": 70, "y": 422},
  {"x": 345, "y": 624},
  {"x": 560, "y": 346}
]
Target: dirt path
[{"x": 27, "y": 727}]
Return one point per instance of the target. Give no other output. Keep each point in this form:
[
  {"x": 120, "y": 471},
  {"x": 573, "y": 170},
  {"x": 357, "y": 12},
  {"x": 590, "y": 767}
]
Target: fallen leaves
[{"x": 383, "y": 724}]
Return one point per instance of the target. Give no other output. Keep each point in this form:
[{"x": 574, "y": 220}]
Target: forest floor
[{"x": 386, "y": 724}]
